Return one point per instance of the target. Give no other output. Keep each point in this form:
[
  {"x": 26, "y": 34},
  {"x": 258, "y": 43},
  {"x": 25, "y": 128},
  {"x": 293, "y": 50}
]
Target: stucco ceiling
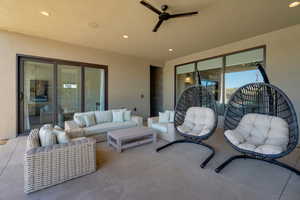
[{"x": 219, "y": 22}]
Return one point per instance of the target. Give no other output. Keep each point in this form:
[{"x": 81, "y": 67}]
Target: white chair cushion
[
  {"x": 172, "y": 116},
  {"x": 260, "y": 133},
  {"x": 198, "y": 121},
  {"x": 103, "y": 116},
  {"x": 61, "y": 136},
  {"x": 161, "y": 127}
]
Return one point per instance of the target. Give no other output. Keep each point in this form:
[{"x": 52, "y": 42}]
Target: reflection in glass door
[
  {"x": 94, "y": 79},
  {"x": 68, "y": 92},
  {"x": 36, "y": 94}
]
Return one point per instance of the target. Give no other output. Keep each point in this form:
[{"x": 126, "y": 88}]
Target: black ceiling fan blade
[
  {"x": 151, "y": 7},
  {"x": 183, "y": 14},
  {"x": 157, "y": 25}
]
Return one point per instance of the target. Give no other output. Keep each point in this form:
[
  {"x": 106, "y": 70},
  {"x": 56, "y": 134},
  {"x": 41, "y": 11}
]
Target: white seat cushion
[
  {"x": 199, "y": 121},
  {"x": 161, "y": 127},
  {"x": 260, "y": 133},
  {"x": 104, "y": 127}
]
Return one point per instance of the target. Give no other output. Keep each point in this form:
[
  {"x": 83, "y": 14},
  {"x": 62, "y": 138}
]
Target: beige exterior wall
[
  {"x": 282, "y": 62},
  {"x": 129, "y": 77}
]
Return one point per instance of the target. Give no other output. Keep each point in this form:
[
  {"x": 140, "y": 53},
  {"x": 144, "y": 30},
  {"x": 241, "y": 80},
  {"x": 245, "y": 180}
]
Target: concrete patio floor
[{"x": 141, "y": 174}]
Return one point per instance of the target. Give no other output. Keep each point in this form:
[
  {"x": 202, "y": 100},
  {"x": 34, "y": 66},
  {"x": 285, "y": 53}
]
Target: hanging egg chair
[{"x": 195, "y": 117}]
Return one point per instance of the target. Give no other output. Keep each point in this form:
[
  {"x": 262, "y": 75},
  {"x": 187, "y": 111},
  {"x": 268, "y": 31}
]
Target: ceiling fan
[{"x": 163, "y": 15}]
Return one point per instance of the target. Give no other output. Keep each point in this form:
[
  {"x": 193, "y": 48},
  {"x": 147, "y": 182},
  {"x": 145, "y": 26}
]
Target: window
[
  {"x": 241, "y": 69},
  {"x": 185, "y": 77},
  {"x": 222, "y": 75}
]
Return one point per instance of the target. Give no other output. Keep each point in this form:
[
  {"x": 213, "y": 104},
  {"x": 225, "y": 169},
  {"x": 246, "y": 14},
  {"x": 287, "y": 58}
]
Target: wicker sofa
[{"x": 51, "y": 165}]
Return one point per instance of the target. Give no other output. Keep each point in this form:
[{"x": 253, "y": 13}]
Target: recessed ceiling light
[
  {"x": 45, "y": 13},
  {"x": 125, "y": 36},
  {"x": 294, "y": 4},
  {"x": 170, "y": 50}
]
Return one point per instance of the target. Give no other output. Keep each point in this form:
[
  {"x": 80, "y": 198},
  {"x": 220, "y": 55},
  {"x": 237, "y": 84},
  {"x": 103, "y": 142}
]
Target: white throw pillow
[
  {"x": 164, "y": 117},
  {"x": 47, "y": 137},
  {"x": 127, "y": 115},
  {"x": 172, "y": 116},
  {"x": 89, "y": 120},
  {"x": 103, "y": 116},
  {"x": 61, "y": 136},
  {"x": 118, "y": 116},
  {"x": 79, "y": 119}
]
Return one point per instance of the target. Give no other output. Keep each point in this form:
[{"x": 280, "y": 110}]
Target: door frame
[{"x": 20, "y": 58}]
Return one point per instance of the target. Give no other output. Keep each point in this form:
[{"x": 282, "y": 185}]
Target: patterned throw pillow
[
  {"x": 90, "y": 120},
  {"x": 47, "y": 137},
  {"x": 61, "y": 135},
  {"x": 33, "y": 139}
]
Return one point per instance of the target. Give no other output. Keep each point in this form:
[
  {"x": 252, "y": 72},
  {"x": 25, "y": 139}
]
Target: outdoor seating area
[{"x": 150, "y": 100}]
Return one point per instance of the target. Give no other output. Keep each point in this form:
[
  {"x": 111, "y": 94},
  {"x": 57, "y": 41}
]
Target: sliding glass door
[
  {"x": 69, "y": 95},
  {"x": 94, "y": 79},
  {"x": 50, "y": 91},
  {"x": 36, "y": 94}
]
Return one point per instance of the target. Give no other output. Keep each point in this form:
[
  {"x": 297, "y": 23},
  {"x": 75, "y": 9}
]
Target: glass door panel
[
  {"x": 94, "y": 79},
  {"x": 36, "y": 95},
  {"x": 68, "y": 92}
]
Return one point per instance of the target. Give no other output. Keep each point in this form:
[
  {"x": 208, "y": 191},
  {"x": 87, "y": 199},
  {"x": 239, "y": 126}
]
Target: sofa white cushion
[
  {"x": 104, "y": 127},
  {"x": 90, "y": 119},
  {"x": 260, "y": 133},
  {"x": 47, "y": 137},
  {"x": 127, "y": 115},
  {"x": 161, "y": 127},
  {"x": 164, "y": 117},
  {"x": 198, "y": 121},
  {"x": 103, "y": 116},
  {"x": 118, "y": 116}
]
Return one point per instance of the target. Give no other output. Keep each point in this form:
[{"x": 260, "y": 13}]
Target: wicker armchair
[{"x": 51, "y": 165}]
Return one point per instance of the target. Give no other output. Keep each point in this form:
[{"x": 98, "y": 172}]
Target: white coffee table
[{"x": 125, "y": 138}]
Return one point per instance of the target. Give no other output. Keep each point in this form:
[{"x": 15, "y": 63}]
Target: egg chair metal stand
[
  {"x": 266, "y": 99},
  {"x": 194, "y": 96}
]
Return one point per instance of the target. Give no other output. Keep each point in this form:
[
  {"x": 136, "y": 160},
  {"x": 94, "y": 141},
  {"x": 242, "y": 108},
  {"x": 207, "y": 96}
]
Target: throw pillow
[
  {"x": 47, "y": 137},
  {"x": 61, "y": 135},
  {"x": 89, "y": 120},
  {"x": 164, "y": 117},
  {"x": 127, "y": 115},
  {"x": 33, "y": 139},
  {"x": 79, "y": 119},
  {"x": 118, "y": 116},
  {"x": 172, "y": 116},
  {"x": 103, "y": 116}
]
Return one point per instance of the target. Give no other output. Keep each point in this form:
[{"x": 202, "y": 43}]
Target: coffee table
[{"x": 125, "y": 138}]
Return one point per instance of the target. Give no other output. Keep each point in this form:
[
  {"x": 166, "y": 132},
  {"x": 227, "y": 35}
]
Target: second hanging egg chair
[{"x": 195, "y": 117}]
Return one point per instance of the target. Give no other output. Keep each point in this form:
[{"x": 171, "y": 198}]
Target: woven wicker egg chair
[
  {"x": 196, "y": 106},
  {"x": 261, "y": 123}
]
